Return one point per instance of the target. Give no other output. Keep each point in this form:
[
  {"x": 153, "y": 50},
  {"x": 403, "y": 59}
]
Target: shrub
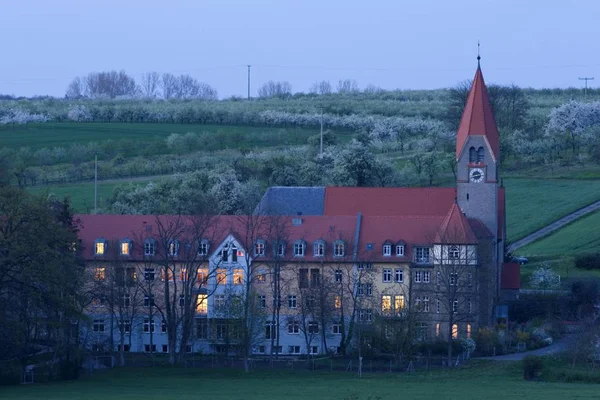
[
  {"x": 532, "y": 367},
  {"x": 588, "y": 261},
  {"x": 10, "y": 373},
  {"x": 69, "y": 370}
]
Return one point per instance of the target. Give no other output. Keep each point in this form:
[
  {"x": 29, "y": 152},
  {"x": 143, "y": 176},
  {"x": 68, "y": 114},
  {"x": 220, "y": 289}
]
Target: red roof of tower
[
  {"x": 455, "y": 228},
  {"x": 478, "y": 118}
]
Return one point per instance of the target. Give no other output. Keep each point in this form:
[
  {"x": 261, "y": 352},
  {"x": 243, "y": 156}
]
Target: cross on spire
[{"x": 478, "y": 56}]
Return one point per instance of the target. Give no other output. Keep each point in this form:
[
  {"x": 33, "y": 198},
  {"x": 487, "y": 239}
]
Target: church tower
[{"x": 477, "y": 157}]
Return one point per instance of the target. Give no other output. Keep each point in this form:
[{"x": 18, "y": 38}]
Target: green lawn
[
  {"x": 480, "y": 380},
  {"x": 534, "y": 203}
]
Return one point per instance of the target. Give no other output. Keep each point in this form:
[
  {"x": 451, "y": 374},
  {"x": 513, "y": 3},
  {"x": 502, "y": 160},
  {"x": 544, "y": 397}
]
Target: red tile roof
[
  {"x": 478, "y": 118},
  {"x": 388, "y": 201},
  {"x": 455, "y": 228},
  {"x": 510, "y": 278}
]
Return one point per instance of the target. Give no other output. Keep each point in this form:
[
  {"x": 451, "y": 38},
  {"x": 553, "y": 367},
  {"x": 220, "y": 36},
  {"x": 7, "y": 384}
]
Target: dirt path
[
  {"x": 554, "y": 226},
  {"x": 558, "y": 347}
]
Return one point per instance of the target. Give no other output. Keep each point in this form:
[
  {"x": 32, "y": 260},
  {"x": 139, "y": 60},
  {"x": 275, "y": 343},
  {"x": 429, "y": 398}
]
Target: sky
[{"x": 393, "y": 44}]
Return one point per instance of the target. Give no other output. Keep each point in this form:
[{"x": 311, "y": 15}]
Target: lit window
[
  {"x": 202, "y": 304},
  {"x": 292, "y": 301},
  {"x": 386, "y": 304},
  {"x": 100, "y": 273},
  {"x": 338, "y": 302},
  {"x": 387, "y": 275},
  {"x": 183, "y": 275},
  {"x": 399, "y": 250},
  {"x": 398, "y": 303},
  {"x": 399, "y": 275},
  {"x": 468, "y": 330},
  {"x": 299, "y": 249},
  {"x": 125, "y": 248},
  {"x": 221, "y": 276},
  {"x": 149, "y": 247},
  {"x": 319, "y": 249},
  {"x": 259, "y": 248},
  {"x": 168, "y": 274},
  {"x": 238, "y": 276},
  {"x": 202, "y": 276},
  {"x": 437, "y": 329},
  {"x": 454, "y": 331},
  {"x": 339, "y": 249},
  {"x": 387, "y": 249},
  {"x": 422, "y": 255},
  {"x": 261, "y": 277},
  {"x": 99, "y": 247}
]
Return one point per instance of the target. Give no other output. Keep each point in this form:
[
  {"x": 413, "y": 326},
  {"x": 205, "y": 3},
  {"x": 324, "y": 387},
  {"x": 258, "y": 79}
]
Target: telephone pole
[
  {"x": 248, "y": 81},
  {"x": 96, "y": 185},
  {"x": 321, "y": 152},
  {"x": 586, "y": 79}
]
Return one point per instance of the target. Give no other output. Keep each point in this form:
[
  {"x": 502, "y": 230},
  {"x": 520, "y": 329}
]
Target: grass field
[
  {"x": 479, "y": 380},
  {"x": 534, "y": 203}
]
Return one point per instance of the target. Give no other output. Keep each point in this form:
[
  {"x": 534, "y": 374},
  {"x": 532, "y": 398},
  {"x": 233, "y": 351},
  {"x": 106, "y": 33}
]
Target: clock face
[{"x": 476, "y": 175}]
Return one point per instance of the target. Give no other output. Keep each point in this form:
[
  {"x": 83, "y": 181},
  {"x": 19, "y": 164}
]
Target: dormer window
[
  {"x": 280, "y": 251},
  {"x": 125, "y": 247},
  {"x": 299, "y": 247},
  {"x": 259, "y": 248},
  {"x": 319, "y": 248},
  {"x": 173, "y": 248},
  {"x": 149, "y": 247},
  {"x": 99, "y": 247},
  {"x": 400, "y": 250},
  {"x": 387, "y": 249},
  {"x": 339, "y": 248},
  {"x": 203, "y": 247}
]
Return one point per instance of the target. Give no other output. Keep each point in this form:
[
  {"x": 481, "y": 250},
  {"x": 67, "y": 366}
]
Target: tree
[
  {"x": 322, "y": 87},
  {"x": 545, "y": 278},
  {"x": 149, "y": 85},
  {"x": 109, "y": 84},
  {"x": 279, "y": 89},
  {"x": 354, "y": 166},
  {"x": 347, "y": 86},
  {"x": 169, "y": 86},
  {"x": 75, "y": 89}
]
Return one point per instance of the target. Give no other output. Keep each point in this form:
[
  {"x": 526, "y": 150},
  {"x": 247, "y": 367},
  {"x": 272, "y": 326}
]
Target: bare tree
[
  {"x": 109, "y": 84},
  {"x": 322, "y": 87},
  {"x": 149, "y": 85},
  {"x": 347, "y": 86},
  {"x": 75, "y": 89},
  {"x": 169, "y": 86},
  {"x": 275, "y": 89}
]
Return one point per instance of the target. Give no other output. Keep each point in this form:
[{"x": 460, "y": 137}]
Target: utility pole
[
  {"x": 96, "y": 185},
  {"x": 321, "y": 152},
  {"x": 586, "y": 79},
  {"x": 248, "y": 81}
]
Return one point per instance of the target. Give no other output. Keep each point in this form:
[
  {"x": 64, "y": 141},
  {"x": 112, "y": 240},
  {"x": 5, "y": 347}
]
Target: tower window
[
  {"x": 480, "y": 154},
  {"x": 472, "y": 155}
]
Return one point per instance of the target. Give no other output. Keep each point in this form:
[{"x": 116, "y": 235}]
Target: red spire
[
  {"x": 455, "y": 229},
  {"x": 478, "y": 118}
]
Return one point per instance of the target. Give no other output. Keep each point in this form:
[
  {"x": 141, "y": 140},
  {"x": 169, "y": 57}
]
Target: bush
[
  {"x": 10, "y": 373},
  {"x": 588, "y": 261},
  {"x": 532, "y": 367},
  {"x": 69, "y": 370}
]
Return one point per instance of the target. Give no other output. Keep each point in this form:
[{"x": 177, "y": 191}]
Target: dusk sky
[{"x": 420, "y": 44}]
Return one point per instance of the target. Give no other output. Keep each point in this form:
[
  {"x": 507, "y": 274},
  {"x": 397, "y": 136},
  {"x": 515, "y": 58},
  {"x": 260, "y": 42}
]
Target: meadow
[{"x": 477, "y": 380}]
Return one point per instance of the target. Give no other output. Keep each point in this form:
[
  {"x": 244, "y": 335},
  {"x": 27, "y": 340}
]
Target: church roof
[
  {"x": 455, "y": 228},
  {"x": 478, "y": 118},
  {"x": 294, "y": 200}
]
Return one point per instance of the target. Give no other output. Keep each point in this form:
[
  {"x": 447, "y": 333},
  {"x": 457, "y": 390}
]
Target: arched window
[
  {"x": 339, "y": 248},
  {"x": 472, "y": 155},
  {"x": 480, "y": 155},
  {"x": 319, "y": 248}
]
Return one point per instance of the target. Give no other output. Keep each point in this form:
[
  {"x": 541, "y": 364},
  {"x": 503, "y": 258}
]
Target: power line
[{"x": 586, "y": 79}]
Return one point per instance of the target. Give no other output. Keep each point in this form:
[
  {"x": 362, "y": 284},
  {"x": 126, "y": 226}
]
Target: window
[
  {"x": 259, "y": 349},
  {"x": 292, "y": 301},
  {"x": 259, "y": 248},
  {"x": 182, "y": 300},
  {"x": 398, "y": 303},
  {"x": 148, "y": 348},
  {"x": 203, "y": 247},
  {"x": 422, "y": 255},
  {"x": 202, "y": 328},
  {"x": 149, "y": 247},
  {"x": 437, "y": 329},
  {"x": 426, "y": 276},
  {"x": 225, "y": 254},
  {"x": 315, "y": 277},
  {"x": 98, "y": 325},
  {"x": 399, "y": 275},
  {"x": 97, "y": 302},
  {"x": 310, "y": 301},
  {"x": 148, "y": 325},
  {"x": 400, "y": 250},
  {"x": 165, "y": 348},
  {"x": 469, "y": 305},
  {"x": 125, "y": 247},
  {"x": 238, "y": 276},
  {"x": 99, "y": 247},
  {"x": 365, "y": 265},
  {"x": 221, "y": 330},
  {"x": 339, "y": 249},
  {"x": 299, "y": 249},
  {"x": 125, "y": 300},
  {"x": 454, "y": 331},
  {"x": 455, "y": 306},
  {"x": 303, "y": 281},
  {"x": 262, "y": 301},
  {"x": 437, "y": 306},
  {"x": 418, "y": 277},
  {"x": 293, "y": 327},
  {"x": 100, "y": 273},
  {"x": 421, "y": 331},
  {"x": 281, "y": 249},
  {"x": 202, "y": 276},
  {"x": 173, "y": 248},
  {"x": 480, "y": 155},
  {"x": 418, "y": 303},
  {"x": 314, "y": 349},
  {"x": 148, "y": 301},
  {"x": 365, "y": 289},
  {"x": 387, "y": 275},
  {"x": 221, "y": 276},
  {"x": 277, "y": 349},
  {"x": 453, "y": 253},
  {"x": 386, "y": 304},
  {"x": 453, "y": 278},
  {"x": 219, "y": 302},
  {"x": 470, "y": 279},
  {"x": 149, "y": 274},
  {"x": 426, "y": 304},
  {"x": 126, "y": 347},
  {"x": 472, "y": 155},
  {"x": 319, "y": 248},
  {"x": 387, "y": 249},
  {"x": 294, "y": 349},
  {"x": 163, "y": 326},
  {"x": 313, "y": 327},
  {"x": 270, "y": 330},
  {"x": 468, "y": 330},
  {"x": 337, "y": 302},
  {"x": 365, "y": 315},
  {"x": 336, "y": 328},
  {"x": 183, "y": 274},
  {"x": 202, "y": 304},
  {"x": 124, "y": 326},
  {"x": 338, "y": 275},
  {"x": 438, "y": 278}
]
